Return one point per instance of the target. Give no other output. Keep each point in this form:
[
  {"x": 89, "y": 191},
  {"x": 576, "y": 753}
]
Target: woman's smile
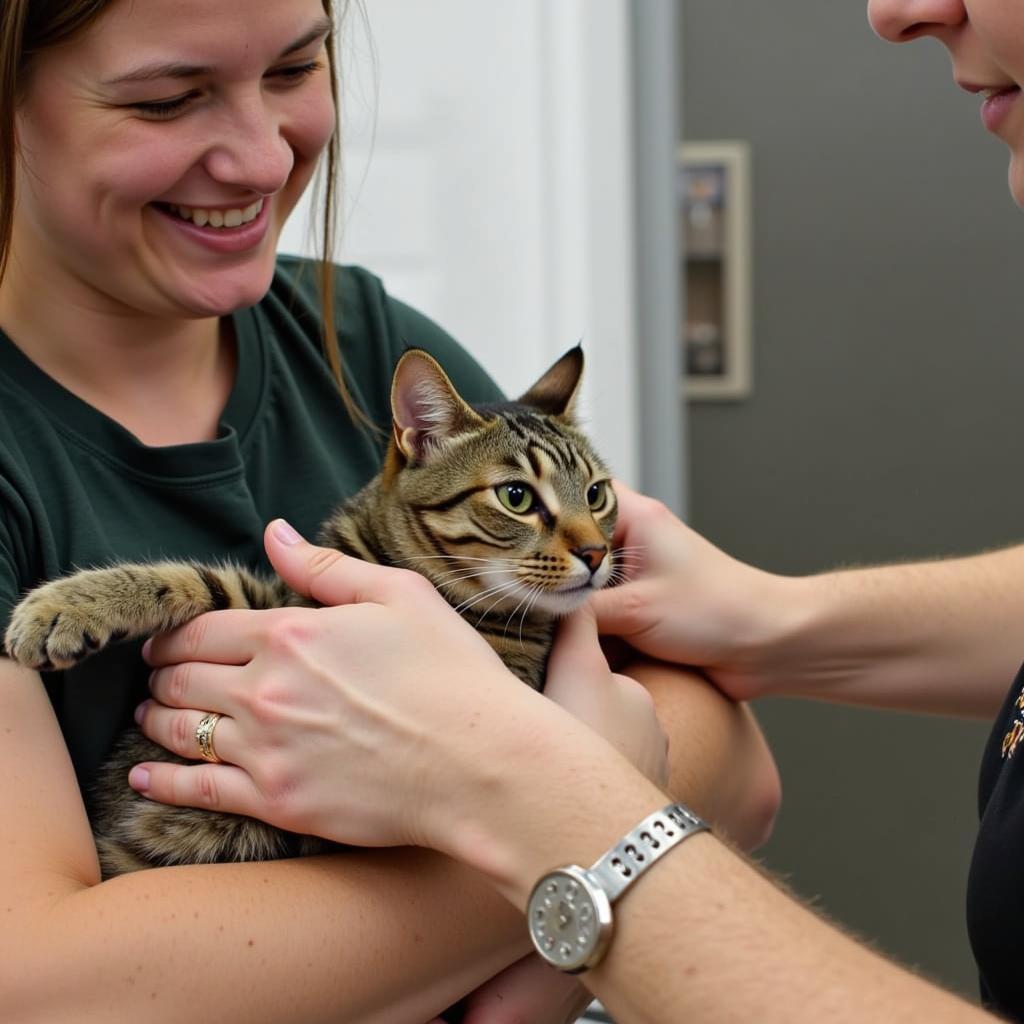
[
  {"x": 216, "y": 217},
  {"x": 219, "y": 229}
]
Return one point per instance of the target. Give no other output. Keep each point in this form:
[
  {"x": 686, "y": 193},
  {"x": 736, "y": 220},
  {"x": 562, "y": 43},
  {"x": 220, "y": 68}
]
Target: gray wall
[{"x": 883, "y": 423}]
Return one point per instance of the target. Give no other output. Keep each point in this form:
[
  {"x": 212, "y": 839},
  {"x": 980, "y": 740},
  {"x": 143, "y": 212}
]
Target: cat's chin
[{"x": 560, "y": 603}]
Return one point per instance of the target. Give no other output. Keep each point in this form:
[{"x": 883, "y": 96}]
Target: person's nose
[
  {"x": 900, "y": 21},
  {"x": 253, "y": 152}
]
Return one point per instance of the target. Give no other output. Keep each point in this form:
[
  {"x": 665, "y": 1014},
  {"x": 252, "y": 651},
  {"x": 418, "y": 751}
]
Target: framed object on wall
[{"x": 714, "y": 205}]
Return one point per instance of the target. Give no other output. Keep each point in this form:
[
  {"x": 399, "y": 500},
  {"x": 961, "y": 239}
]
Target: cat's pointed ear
[
  {"x": 556, "y": 392},
  {"x": 426, "y": 409}
]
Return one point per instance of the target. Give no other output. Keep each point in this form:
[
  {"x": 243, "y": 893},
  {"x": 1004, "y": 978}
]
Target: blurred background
[{"x": 512, "y": 170}]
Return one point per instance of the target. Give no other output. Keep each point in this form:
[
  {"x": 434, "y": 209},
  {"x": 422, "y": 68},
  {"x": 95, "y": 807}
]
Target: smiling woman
[
  {"x": 219, "y": 128},
  {"x": 156, "y": 89},
  {"x": 162, "y": 389},
  {"x": 168, "y": 385}
]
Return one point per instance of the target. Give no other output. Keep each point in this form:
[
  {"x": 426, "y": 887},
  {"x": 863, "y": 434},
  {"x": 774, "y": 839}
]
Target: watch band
[
  {"x": 637, "y": 850},
  {"x": 569, "y": 912}
]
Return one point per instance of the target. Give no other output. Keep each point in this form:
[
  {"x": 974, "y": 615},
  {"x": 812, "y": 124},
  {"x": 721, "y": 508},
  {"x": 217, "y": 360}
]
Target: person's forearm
[
  {"x": 721, "y": 764},
  {"x": 942, "y": 636},
  {"x": 703, "y": 929},
  {"x": 390, "y": 936},
  {"x": 734, "y": 947},
  {"x": 378, "y": 935}
]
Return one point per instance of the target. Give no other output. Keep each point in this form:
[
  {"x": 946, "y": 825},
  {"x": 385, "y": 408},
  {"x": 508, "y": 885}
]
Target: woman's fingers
[
  {"x": 625, "y": 611},
  {"x": 196, "y": 684},
  {"x": 578, "y": 649},
  {"x": 211, "y": 787},
  {"x": 332, "y": 578},
  {"x": 615, "y": 706},
  {"x": 225, "y": 637},
  {"x": 175, "y": 730}
]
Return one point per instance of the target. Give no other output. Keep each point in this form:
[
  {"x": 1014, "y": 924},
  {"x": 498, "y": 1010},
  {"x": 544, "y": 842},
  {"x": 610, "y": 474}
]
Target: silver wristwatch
[{"x": 570, "y": 908}]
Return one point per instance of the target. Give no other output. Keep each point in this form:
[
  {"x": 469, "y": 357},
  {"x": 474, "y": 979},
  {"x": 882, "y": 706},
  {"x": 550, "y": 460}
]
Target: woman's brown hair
[{"x": 28, "y": 27}]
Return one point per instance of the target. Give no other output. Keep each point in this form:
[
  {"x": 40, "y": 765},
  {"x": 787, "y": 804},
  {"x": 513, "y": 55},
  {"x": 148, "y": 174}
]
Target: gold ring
[{"x": 204, "y": 737}]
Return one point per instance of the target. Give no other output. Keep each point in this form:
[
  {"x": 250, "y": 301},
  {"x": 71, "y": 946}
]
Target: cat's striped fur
[{"x": 506, "y": 508}]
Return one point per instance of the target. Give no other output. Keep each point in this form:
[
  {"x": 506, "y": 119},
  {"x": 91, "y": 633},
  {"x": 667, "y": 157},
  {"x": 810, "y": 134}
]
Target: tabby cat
[{"x": 506, "y": 508}]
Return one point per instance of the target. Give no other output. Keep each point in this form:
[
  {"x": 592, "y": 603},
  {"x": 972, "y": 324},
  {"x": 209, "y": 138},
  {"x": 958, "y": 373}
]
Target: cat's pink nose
[{"x": 591, "y": 556}]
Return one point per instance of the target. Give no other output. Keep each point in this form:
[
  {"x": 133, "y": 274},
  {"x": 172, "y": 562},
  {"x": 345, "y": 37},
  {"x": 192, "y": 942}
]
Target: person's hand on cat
[
  {"x": 327, "y": 719},
  {"x": 686, "y": 601},
  {"x": 613, "y": 705},
  {"x": 358, "y": 721}
]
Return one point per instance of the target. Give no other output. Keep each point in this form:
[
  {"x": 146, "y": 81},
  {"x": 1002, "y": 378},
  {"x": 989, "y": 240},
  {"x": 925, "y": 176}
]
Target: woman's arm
[
  {"x": 941, "y": 636},
  {"x": 719, "y": 759},
  {"x": 388, "y": 936},
  {"x": 703, "y": 929}
]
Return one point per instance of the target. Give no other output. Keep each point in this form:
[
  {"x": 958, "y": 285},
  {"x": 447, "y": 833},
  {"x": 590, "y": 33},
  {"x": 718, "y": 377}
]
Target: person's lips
[{"x": 997, "y": 100}]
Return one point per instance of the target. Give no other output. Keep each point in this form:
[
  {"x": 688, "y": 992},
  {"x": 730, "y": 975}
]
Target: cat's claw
[{"x": 46, "y": 632}]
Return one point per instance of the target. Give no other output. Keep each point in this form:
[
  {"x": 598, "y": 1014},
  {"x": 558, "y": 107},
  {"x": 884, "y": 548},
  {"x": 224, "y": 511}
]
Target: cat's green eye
[
  {"x": 596, "y": 494},
  {"x": 515, "y": 497}
]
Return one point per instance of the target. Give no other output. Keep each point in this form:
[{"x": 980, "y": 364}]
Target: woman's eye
[
  {"x": 159, "y": 109},
  {"x": 596, "y": 494},
  {"x": 515, "y": 497},
  {"x": 297, "y": 72}
]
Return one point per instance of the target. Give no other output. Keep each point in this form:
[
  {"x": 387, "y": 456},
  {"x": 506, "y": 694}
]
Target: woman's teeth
[{"x": 217, "y": 218}]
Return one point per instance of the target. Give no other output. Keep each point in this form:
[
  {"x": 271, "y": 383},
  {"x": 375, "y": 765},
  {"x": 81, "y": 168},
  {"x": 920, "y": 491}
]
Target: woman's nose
[
  {"x": 253, "y": 152},
  {"x": 899, "y": 21}
]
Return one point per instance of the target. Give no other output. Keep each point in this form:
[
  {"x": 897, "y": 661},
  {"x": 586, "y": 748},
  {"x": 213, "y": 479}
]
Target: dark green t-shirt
[{"x": 78, "y": 490}]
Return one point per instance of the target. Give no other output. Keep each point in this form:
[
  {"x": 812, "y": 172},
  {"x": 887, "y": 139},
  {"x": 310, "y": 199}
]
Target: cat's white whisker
[
  {"x": 511, "y": 592},
  {"x": 532, "y": 600},
  {"x": 456, "y": 558},
  {"x": 529, "y": 593},
  {"x": 630, "y": 563},
  {"x": 470, "y": 574},
  {"x": 450, "y": 585},
  {"x": 477, "y": 598}
]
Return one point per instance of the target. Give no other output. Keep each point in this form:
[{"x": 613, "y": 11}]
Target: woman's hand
[
  {"x": 354, "y": 721},
  {"x": 685, "y": 601},
  {"x": 378, "y": 719},
  {"x": 615, "y": 706}
]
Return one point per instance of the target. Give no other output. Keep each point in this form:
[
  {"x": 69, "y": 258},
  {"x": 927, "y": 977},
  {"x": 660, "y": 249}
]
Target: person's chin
[
  {"x": 225, "y": 293},
  {"x": 1015, "y": 177}
]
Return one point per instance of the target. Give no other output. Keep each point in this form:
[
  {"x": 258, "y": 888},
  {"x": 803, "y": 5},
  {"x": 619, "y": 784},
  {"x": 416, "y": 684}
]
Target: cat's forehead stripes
[
  {"x": 530, "y": 427},
  {"x": 584, "y": 463},
  {"x": 547, "y": 471}
]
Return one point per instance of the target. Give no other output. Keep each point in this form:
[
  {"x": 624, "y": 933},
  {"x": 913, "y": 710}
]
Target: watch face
[{"x": 570, "y": 920}]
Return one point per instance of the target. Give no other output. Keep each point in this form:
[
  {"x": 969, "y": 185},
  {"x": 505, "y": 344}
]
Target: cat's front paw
[{"x": 57, "y": 626}]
